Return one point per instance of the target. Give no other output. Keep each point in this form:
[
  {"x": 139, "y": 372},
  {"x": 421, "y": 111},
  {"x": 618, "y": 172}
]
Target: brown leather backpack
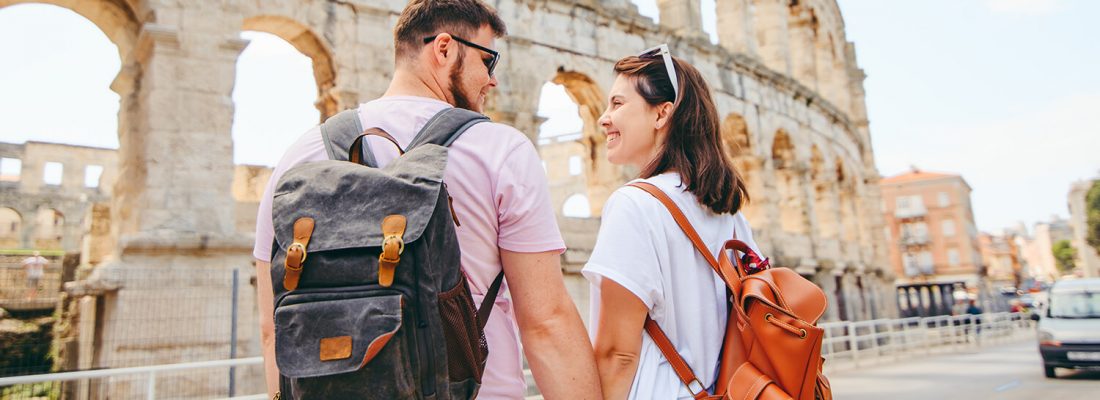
[{"x": 772, "y": 346}]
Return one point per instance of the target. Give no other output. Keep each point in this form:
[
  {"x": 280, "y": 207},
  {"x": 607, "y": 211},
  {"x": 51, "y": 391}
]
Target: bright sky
[{"x": 1003, "y": 92}]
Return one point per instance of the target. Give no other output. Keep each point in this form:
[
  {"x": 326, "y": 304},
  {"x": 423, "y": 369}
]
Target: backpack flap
[
  {"x": 335, "y": 192},
  {"x": 321, "y": 337}
]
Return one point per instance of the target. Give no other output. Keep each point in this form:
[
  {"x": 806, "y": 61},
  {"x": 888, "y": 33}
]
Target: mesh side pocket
[{"x": 466, "y": 346}]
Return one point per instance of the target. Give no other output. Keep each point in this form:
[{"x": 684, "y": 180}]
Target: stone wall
[{"x": 38, "y": 214}]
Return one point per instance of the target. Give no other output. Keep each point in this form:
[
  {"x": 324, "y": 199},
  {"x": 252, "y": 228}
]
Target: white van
[{"x": 1069, "y": 330}]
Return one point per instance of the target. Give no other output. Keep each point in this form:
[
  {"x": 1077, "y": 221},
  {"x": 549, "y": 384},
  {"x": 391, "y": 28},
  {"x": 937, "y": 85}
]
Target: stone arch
[
  {"x": 788, "y": 181},
  {"x": 11, "y": 228},
  {"x": 117, "y": 19},
  {"x": 49, "y": 228},
  {"x": 738, "y": 145},
  {"x": 308, "y": 43},
  {"x": 602, "y": 176},
  {"x": 576, "y": 206},
  {"x": 824, "y": 194},
  {"x": 848, "y": 216}
]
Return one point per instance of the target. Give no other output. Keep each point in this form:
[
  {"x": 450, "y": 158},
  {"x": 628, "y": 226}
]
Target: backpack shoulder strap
[
  {"x": 681, "y": 367},
  {"x": 446, "y": 126},
  {"x": 693, "y": 236},
  {"x": 340, "y": 131}
]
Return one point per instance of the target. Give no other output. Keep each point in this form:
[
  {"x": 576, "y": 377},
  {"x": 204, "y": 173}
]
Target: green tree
[
  {"x": 1092, "y": 215},
  {"x": 1065, "y": 255}
]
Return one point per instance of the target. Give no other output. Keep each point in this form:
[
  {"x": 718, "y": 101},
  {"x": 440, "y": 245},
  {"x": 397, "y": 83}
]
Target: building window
[
  {"x": 53, "y": 173},
  {"x": 574, "y": 165},
  {"x": 10, "y": 169},
  {"x": 909, "y": 206},
  {"x": 953, "y": 257},
  {"x": 925, "y": 262},
  {"x": 92, "y": 173},
  {"x": 903, "y": 202},
  {"x": 948, "y": 227},
  {"x": 944, "y": 199}
]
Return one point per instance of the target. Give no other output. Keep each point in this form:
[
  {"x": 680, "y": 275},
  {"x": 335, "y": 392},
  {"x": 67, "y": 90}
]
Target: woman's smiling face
[{"x": 630, "y": 124}]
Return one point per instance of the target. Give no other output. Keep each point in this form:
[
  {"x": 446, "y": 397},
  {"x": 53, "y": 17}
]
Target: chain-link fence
[{"x": 129, "y": 318}]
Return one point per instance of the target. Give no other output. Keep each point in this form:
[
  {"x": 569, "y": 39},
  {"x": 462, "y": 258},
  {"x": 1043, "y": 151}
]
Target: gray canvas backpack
[{"x": 370, "y": 298}]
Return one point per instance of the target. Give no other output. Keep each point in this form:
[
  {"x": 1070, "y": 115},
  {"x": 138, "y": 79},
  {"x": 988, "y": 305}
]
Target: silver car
[{"x": 1069, "y": 331}]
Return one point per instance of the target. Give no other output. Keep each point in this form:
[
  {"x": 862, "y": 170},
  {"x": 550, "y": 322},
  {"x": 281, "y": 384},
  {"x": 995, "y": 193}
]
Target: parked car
[{"x": 1069, "y": 331}]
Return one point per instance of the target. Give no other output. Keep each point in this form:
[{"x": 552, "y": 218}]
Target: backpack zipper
[{"x": 427, "y": 369}]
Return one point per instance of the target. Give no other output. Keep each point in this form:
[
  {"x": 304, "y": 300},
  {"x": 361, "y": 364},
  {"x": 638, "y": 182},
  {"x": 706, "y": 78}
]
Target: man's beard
[{"x": 461, "y": 100}]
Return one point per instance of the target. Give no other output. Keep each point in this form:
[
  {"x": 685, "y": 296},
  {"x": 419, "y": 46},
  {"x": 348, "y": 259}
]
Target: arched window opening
[{"x": 576, "y": 206}]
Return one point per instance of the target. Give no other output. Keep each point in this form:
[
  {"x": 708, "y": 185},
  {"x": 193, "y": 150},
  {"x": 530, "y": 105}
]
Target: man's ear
[
  {"x": 443, "y": 49},
  {"x": 664, "y": 115}
]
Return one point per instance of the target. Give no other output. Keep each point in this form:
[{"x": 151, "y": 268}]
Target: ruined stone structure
[
  {"x": 784, "y": 79},
  {"x": 42, "y": 214}
]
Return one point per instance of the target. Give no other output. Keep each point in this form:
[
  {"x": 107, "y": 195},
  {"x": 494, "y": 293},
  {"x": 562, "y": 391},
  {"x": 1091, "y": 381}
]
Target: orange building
[{"x": 930, "y": 228}]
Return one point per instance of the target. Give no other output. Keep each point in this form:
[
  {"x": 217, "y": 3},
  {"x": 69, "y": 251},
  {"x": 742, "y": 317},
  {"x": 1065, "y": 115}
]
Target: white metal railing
[
  {"x": 862, "y": 341},
  {"x": 150, "y": 372},
  {"x": 857, "y": 342}
]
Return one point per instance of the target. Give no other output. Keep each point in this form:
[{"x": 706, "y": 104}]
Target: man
[
  {"x": 35, "y": 266},
  {"x": 444, "y": 58}
]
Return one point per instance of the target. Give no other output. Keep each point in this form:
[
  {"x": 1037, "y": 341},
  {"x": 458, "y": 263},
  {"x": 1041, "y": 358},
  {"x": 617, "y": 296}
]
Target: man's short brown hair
[{"x": 423, "y": 18}]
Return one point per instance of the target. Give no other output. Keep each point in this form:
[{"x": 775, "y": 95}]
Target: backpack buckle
[
  {"x": 303, "y": 230},
  {"x": 393, "y": 227},
  {"x": 388, "y": 249},
  {"x": 293, "y": 250}
]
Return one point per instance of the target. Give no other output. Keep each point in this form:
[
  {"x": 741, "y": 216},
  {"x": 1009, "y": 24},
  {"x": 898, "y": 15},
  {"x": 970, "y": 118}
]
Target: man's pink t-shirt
[{"x": 501, "y": 199}]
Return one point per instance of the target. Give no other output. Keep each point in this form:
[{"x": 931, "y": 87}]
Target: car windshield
[{"x": 1075, "y": 305}]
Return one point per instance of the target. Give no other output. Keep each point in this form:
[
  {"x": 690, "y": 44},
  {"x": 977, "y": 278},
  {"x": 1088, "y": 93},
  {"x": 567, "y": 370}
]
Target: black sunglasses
[{"x": 491, "y": 63}]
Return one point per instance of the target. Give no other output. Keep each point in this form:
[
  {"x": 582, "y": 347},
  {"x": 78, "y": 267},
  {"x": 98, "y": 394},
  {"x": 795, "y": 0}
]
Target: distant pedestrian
[
  {"x": 35, "y": 266},
  {"x": 973, "y": 309}
]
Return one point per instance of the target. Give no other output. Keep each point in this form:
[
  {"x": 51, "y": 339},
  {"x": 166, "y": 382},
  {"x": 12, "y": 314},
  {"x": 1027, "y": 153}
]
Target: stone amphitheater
[{"x": 784, "y": 77}]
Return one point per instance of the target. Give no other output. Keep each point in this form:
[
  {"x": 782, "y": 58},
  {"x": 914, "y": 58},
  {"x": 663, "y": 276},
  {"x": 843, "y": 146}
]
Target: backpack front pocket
[{"x": 334, "y": 336}]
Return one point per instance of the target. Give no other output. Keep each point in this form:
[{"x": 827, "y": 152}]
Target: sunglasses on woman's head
[
  {"x": 490, "y": 63},
  {"x": 663, "y": 51}
]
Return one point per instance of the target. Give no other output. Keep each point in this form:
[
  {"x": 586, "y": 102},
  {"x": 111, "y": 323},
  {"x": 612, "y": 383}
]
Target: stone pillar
[
  {"x": 30, "y": 228},
  {"x": 902, "y": 294},
  {"x": 772, "y": 34},
  {"x": 826, "y": 279},
  {"x": 683, "y": 17},
  {"x": 167, "y": 289},
  {"x": 97, "y": 241},
  {"x": 736, "y": 28},
  {"x": 948, "y": 293},
  {"x": 803, "y": 63}
]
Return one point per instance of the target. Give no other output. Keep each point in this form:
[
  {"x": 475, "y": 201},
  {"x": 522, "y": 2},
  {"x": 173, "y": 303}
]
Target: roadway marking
[{"x": 1007, "y": 386}]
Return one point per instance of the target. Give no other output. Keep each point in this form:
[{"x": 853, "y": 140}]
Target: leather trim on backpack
[
  {"x": 376, "y": 345},
  {"x": 393, "y": 228},
  {"x": 296, "y": 252},
  {"x": 335, "y": 348}
]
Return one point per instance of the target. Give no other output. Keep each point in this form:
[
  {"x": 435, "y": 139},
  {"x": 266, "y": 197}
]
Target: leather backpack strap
[
  {"x": 724, "y": 272},
  {"x": 487, "y": 302},
  {"x": 683, "y": 370},
  {"x": 681, "y": 367}
]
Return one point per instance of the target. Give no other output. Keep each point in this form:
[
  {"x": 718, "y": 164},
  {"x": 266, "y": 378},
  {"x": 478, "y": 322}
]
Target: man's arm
[
  {"x": 553, "y": 335},
  {"x": 265, "y": 301}
]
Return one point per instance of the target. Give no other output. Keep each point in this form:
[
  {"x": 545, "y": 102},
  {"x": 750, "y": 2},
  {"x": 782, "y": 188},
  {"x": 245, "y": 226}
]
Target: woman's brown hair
[{"x": 693, "y": 145}]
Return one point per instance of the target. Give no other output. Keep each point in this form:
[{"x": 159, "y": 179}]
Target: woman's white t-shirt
[{"x": 641, "y": 248}]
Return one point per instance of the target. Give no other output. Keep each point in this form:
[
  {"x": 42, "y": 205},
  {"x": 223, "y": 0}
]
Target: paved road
[{"x": 1011, "y": 371}]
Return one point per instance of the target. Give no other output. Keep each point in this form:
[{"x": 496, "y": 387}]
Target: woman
[{"x": 661, "y": 119}]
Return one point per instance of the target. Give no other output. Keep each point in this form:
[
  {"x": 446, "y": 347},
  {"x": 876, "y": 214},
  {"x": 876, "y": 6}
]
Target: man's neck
[{"x": 408, "y": 83}]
